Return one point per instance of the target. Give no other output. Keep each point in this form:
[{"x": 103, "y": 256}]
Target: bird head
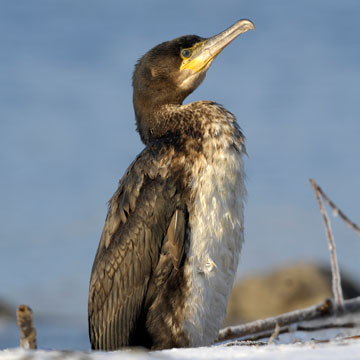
[{"x": 172, "y": 70}]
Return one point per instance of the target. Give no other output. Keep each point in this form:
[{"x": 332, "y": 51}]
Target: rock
[
  {"x": 6, "y": 311},
  {"x": 282, "y": 290}
]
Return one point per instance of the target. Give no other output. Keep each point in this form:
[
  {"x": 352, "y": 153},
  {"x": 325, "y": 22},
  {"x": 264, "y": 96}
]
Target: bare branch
[
  {"x": 337, "y": 211},
  {"x": 314, "y": 312},
  {"x": 26, "y": 326},
  {"x": 270, "y": 323},
  {"x": 336, "y": 280}
]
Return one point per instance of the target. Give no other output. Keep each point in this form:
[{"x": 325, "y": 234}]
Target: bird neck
[{"x": 156, "y": 122}]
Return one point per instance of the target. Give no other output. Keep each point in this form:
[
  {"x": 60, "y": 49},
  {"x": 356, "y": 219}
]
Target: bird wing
[{"x": 142, "y": 242}]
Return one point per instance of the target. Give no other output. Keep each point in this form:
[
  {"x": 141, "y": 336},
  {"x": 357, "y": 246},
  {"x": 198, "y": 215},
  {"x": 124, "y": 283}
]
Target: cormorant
[{"x": 169, "y": 249}]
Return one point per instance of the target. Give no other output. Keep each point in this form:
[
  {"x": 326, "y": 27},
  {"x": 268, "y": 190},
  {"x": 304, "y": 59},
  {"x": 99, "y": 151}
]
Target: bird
[{"x": 170, "y": 246}]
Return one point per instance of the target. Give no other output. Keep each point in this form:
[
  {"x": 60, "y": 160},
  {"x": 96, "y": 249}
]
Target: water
[
  {"x": 67, "y": 134},
  {"x": 54, "y": 335}
]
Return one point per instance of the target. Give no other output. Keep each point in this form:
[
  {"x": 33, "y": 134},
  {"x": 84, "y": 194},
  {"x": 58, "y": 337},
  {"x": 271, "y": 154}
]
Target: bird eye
[{"x": 185, "y": 53}]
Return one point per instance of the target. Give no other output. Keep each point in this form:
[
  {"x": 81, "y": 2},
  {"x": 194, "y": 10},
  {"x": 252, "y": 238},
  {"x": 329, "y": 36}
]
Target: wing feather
[{"x": 142, "y": 242}]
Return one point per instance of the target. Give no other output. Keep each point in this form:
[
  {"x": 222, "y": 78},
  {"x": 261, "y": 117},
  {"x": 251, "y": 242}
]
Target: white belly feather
[{"x": 216, "y": 223}]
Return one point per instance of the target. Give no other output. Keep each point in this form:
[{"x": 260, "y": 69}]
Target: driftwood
[
  {"x": 266, "y": 326},
  {"x": 26, "y": 326}
]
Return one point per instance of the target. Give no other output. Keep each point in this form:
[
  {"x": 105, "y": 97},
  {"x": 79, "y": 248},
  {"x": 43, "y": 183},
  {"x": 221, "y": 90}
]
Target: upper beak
[{"x": 207, "y": 50}]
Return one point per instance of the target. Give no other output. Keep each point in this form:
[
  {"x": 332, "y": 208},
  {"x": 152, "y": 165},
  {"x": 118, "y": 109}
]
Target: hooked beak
[{"x": 204, "y": 53}]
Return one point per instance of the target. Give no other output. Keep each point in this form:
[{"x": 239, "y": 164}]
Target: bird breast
[{"x": 216, "y": 225}]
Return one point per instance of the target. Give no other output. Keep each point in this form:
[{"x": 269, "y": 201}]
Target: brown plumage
[{"x": 142, "y": 279}]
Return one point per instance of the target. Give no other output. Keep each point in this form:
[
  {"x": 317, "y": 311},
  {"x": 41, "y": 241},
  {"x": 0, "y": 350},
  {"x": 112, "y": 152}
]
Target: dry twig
[
  {"x": 26, "y": 326},
  {"x": 336, "y": 280},
  {"x": 274, "y": 334}
]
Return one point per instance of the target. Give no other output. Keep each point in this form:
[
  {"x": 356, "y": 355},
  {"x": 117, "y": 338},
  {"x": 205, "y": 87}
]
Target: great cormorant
[{"x": 169, "y": 249}]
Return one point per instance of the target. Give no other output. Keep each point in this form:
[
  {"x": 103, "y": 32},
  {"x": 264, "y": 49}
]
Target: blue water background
[{"x": 67, "y": 134}]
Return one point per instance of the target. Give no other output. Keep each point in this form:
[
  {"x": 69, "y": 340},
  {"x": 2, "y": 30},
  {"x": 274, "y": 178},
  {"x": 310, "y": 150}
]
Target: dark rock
[{"x": 7, "y": 312}]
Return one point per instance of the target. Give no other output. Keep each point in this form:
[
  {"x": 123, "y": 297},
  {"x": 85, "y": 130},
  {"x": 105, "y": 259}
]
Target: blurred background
[{"x": 67, "y": 135}]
